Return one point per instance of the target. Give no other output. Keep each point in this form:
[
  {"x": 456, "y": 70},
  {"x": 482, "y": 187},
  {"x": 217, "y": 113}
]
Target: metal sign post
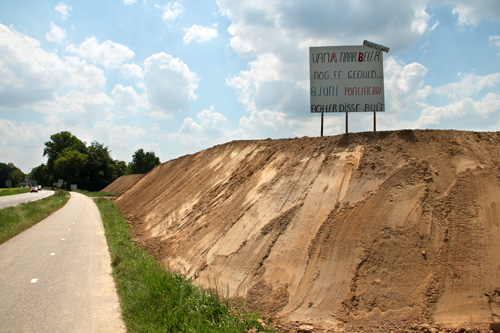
[{"x": 322, "y": 119}]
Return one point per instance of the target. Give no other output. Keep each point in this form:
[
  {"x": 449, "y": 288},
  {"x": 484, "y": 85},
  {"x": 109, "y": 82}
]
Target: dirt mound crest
[{"x": 122, "y": 184}]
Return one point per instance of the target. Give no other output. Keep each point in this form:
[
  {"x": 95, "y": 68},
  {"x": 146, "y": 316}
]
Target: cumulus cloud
[
  {"x": 171, "y": 11},
  {"x": 469, "y": 85},
  {"x": 63, "y": 9},
  {"x": 261, "y": 123},
  {"x": 112, "y": 134},
  {"x": 56, "y": 34},
  {"x": 132, "y": 71},
  {"x": 29, "y": 74},
  {"x": 495, "y": 40},
  {"x": 20, "y": 141},
  {"x": 200, "y": 34},
  {"x": 76, "y": 109},
  {"x": 208, "y": 129},
  {"x": 108, "y": 54},
  {"x": 210, "y": 124},
  {"x": 127, "y": 101},
  {"x": 467, "y": 113},
  {"x": 170, "y": 85},
  {"x": 472, "y": 13},
  {"x": 404, "y": 85}
]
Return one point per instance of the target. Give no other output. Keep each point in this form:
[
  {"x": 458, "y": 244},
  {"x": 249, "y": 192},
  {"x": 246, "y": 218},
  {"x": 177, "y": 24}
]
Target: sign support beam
[
  {"x": 346, "y": 122},
  {"x": 322, "y": 120}
]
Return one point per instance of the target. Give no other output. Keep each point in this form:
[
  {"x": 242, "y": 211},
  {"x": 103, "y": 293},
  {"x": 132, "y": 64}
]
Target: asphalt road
[
  {"x": 56, "y": 276},
  {"x": 14, "y": 200}
]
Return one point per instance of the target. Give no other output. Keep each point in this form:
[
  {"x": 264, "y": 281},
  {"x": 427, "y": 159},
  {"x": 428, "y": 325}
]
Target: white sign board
[{"x": 346, "y": 79}]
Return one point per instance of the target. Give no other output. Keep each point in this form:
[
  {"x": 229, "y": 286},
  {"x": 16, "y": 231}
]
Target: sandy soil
[
  {"x": 372, "y": 232},
  {"x": 122, "y": 184}
]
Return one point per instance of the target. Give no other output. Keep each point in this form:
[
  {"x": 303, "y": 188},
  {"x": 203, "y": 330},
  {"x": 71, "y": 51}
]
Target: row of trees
[
  {"x": 90, "y": 167},
  {"x": 9, "y": 172}
]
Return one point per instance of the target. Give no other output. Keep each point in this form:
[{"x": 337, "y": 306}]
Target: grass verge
[
  {"x": 12, "y": 191},
  {"x": 155, "y": 300},
  {"x": 14, "y": 220}
]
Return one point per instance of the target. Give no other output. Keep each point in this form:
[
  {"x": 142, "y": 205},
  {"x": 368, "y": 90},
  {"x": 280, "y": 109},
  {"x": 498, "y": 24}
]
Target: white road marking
[
  {"x": 52, "y": 254},
  {"x": 34, "y": 280},
  {"x": 62, "y": 239}
]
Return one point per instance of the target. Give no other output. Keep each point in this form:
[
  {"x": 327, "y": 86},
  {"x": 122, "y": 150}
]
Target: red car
[{"x": 34, "y": 189}]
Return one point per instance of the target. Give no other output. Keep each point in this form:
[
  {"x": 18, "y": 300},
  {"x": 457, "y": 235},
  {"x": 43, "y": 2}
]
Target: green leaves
[{"x": 143, "y": 162}]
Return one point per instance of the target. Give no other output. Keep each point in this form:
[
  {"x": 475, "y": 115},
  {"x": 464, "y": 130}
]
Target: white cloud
[
  {"x": 271, "y": 84},
  {"x": 211, "y": 124},
  {"x": 56, "y": 34},
  {"x": 132, "y": 71},
  {"x": 63, "y": 9},
  {"x": 208, "y": 130},
  {"x": 129, "y": 2},
  {"x": 404, "y": 85},
  {"x": 29, "y": 75},
  {"x": 495, "y": 40},
  {"x": 200, "y": 34},
  {"x": 172, "y": 10},
  {"x": 76, "y": 109},
  {"x": 108, "y": 54},
  {"x": 22, "y": 143},
  {"x": 466, "y": 114},
  {"x": 469, "y": 85},
  {"x": 277, "y": 25},
  {"x": 127, "y": 101},
  {"x": 472, "y": 13},
  {"x": 170, "y": 85},
  {"x": 122, "y": 138},
  {"x": 82, "y": 76},
  {"x": 265, "y": 123},
  {"x": 466, "y": 15}
]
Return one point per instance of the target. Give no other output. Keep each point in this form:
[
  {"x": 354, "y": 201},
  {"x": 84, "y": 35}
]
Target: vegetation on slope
[{"x": 156, "y": 300}]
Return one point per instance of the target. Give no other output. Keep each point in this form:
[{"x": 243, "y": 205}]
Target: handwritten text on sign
[{"x": 346, "y": 79}]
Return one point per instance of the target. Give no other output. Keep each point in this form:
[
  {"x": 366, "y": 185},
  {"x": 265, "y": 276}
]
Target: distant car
[{"x": 34, "y": 189}]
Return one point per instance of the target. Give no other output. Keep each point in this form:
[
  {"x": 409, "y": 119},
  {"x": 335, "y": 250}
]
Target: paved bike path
[{"x": 56, "y": 276}]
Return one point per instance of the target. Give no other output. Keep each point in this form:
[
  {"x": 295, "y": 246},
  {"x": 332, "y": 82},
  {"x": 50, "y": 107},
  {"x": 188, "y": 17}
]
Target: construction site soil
[
  {"x": 122, "y": 184},
  {"x": 364, "y": 232}
]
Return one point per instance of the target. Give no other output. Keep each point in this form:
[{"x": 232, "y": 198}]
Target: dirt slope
[
  {"x": 122, "y": 184},
  {"x": 364, "y": 232}
]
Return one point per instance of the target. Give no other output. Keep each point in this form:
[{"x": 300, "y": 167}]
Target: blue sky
[{"x": 176, "y": 77}]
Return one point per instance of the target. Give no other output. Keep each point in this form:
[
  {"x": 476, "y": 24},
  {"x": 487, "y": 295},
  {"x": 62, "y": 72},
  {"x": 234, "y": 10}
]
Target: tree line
[{"x": 89, "y": 166}]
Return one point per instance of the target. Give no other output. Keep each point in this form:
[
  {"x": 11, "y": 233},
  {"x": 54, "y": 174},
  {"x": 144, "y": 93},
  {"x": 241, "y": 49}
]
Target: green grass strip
[
  {"x": 14, "y": 220},
  {"x": 12, "y": 191},
  {"x": 156, "y": 300}
]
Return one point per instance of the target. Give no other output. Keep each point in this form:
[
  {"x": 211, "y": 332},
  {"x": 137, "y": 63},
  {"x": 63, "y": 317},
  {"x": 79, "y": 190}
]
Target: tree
[
  {"x": 70, "y": 165},
  {"x": 16, "y": 177},
  {"x": 121, "y": 168},
  {"x": 143, "y": 162},
  {"x": 10, "y": 172},
  {"x": 41, "y": 175},
  {"x": 58, "y": 144},
  {"x": 69, "y": 158},
  {"x": 101, "y": 168}
]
